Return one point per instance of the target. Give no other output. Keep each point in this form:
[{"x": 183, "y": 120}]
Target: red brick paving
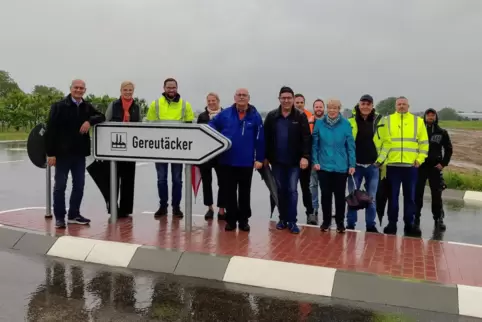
[{"x": 373, "y": 253}]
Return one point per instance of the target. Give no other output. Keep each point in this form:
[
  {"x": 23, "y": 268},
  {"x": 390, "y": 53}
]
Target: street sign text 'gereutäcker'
[{"x": 158, "y": 142}]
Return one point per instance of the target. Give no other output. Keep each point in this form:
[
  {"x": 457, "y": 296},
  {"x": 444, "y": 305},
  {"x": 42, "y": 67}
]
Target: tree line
[{"x": 21, "y": 110}]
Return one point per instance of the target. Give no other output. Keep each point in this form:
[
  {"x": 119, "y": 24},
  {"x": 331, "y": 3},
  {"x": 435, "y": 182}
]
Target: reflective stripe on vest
[
  {"x": 183, "y": 111},
  {"x": 407, "y": 139}
]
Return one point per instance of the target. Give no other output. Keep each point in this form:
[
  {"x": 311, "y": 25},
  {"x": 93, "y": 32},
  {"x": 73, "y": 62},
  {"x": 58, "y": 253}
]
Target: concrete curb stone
[{"x": 304, "y": 279}]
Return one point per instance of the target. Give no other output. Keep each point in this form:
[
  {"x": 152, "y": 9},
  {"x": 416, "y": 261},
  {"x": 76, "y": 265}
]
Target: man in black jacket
[
  {"x": 67, "y": 142},
  {"x": 439, "y": 154},
  {"x": 288, "y": 149}
]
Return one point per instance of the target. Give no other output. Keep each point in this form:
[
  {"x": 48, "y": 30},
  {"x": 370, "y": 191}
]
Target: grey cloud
[{"x": 426, "y": 50}]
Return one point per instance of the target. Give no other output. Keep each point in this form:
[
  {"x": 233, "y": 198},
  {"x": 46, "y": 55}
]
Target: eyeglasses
[{"x": 241, "y": 95}]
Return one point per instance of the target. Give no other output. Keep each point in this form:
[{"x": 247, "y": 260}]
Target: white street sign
[{"x": 157, "y": 142}]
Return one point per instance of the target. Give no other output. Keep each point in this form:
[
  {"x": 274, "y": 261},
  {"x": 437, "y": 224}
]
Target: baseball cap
[{"x": 366, "y": 98}]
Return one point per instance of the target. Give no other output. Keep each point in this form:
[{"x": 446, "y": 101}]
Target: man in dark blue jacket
[
  {"x": 67, "y": 143},
  {"x": 243, "y": 125}
]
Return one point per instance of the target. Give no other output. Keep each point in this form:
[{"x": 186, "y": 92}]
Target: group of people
[{"x": 321, "y": 150}]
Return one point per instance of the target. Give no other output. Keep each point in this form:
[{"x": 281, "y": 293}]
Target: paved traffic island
[{"x": 430, "y": 275}]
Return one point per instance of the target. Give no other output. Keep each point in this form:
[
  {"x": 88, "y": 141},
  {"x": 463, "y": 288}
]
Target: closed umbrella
[
  {"x": 36, "y": 146},
  {"x": 268, "y": 178},
  {"x": 99, "y": 171}
]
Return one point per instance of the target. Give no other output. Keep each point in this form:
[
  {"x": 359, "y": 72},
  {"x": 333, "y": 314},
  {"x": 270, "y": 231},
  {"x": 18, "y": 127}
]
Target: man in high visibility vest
[
  {"x": 170, "y": 107},
  {"x": 372, "y": 142},
  {"x": 305, "y": 174},
  {"x": 409, "y": 150}
]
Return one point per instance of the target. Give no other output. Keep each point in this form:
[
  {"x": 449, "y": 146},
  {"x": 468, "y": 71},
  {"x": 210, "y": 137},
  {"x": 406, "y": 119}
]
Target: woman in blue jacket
[{"x": 333, "y": 155}]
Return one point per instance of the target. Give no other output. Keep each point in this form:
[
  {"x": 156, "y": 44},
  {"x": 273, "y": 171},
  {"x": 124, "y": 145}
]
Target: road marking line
[
  {"x": 140, "y": 164},
  {"x": 16, "y": 149},
  {"x": 13, "y": 161},
  {"x": 464, "y": 244},
  {"x": 20, "y": 209}
]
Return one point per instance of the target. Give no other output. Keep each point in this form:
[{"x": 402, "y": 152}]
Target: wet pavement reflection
[{"x": 41, "y": 289}]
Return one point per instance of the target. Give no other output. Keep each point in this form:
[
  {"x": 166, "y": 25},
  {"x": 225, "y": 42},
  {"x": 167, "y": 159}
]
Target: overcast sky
[{"x": 427, "y": 50}]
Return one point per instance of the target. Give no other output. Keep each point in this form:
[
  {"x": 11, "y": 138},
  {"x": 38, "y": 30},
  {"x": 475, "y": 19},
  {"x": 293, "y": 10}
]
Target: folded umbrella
[
  {"x": 99, "y": 171},
  {"x": 268, "y": 178},
  {"x": 36, "y": 146}
]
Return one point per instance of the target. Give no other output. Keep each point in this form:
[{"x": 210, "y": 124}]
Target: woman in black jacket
[
  {"x": 125, "y": 109},
  {"x": 212, "y": 109}
]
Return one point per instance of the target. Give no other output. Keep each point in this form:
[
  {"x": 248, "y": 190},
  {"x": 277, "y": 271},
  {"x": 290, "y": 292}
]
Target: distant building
[{"x": 471, "y": 116}]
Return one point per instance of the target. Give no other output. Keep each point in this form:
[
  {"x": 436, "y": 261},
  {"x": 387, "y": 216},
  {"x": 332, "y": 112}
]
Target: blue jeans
[
  {"x": 407, "y": 177},
  {"x": 163, "y": 190},
  {"x": 315, "y": 190},
  {"x": 371, "y": 175},
  {"x": 76, "y": 166},
  {"x": 287, "y": 178}
]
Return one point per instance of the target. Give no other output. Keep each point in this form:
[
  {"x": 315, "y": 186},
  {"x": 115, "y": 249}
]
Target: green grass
[
  {"x": 463, "y": 181},
  {"x": 13, "y": 135},
  {"x": 466, "y": 125}
]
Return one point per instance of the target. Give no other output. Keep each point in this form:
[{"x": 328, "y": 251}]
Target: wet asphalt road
[
  {"x": 41, "y": 289},
  {"x": 26, "y": 188}
]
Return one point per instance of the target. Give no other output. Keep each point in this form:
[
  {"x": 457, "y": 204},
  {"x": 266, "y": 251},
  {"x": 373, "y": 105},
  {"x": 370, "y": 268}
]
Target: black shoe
[
  {"x": 440, "y": 225},
  {"x": 60, "y": 224},
  {"x": 416, "y": 231},
  {"x": 350, "y": 227},
  {"x": 176, "y": 212},
  {"x": 161, "y": 212},
  {"x": 244, "y": 226},
  {"x": 372, "y": 230},
  {"x": 209, "y": 214},
  {"x": 230, "y": 227},
  {"x": 325, "y": 227},
  {"x": 340, "y": 229},
  {"x": 221, "y": 216},
  {"x": 390, "y": 229}
]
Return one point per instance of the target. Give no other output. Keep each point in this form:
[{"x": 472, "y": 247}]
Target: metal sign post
[
  {"x": 188, "y": 197},
  {"x": 48, "y": 192},
  {"x": 185, "y": 143},
  {"x": 113, "y": 192}
]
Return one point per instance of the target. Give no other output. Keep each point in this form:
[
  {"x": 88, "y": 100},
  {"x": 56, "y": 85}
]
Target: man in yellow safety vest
[
  {"x": 408, "y": 151},
  {"x": 170, "y": 107}
]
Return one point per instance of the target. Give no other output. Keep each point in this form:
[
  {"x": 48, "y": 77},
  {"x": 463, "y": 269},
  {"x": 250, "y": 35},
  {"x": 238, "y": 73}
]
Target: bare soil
[{"x": 467, "y": 156}]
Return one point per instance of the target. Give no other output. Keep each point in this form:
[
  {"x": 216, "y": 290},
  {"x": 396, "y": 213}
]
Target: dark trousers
[
  {"x": 126, "y": 177},
  {"x": 305, "y": 177},
  {"x": 65, "y": 165},
  {"x": 237, "y": 183},
  {"x": 383, "y": 194},
  {"x": 287, "y": 184},
  {"x": 407, "y": 178},
  {"x": 207, "y": 182},
  {"x": 162, "y": 188},
  {"x": 333, "y": 183},
  {"x": 436, "y": 184}
]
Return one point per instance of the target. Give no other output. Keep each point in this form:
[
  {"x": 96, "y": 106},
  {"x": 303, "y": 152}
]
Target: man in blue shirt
[{"x": 288, "y": 147}]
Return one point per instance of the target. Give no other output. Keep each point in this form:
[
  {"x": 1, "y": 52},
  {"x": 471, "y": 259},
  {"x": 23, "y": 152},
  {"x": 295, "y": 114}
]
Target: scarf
[
  {"x": 126, "y": 105},
  {"x": 213, "y": 113},
  {"x": 332, "y": 122}
]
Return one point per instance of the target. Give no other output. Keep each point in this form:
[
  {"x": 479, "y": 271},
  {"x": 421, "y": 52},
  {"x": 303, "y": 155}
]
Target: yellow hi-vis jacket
[
  {"x": 381, "y": 136},
  {"x": 164, "y": 110},
  {"x": 409, "y": 139}
]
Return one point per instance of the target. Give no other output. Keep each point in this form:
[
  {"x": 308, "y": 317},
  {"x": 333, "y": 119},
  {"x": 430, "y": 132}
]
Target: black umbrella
[
  {"x": 99, "y": 171},
  {"x": 36, "y": 146},
  {"x": 267, "y": 177},
  {"x": 383, "y": 193}
]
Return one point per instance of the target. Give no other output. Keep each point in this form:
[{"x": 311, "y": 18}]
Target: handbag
[{"x": 358, "y": 199}]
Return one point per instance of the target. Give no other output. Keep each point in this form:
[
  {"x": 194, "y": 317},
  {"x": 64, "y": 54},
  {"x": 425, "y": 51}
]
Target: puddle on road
[{"x": 68, "y": 292}]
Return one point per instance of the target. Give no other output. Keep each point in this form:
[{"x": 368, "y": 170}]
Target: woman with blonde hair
[
  {"x": 212, "y": 109},
  {"x": 125, "y": 109},
  {"x": 333, "y": 153}
]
